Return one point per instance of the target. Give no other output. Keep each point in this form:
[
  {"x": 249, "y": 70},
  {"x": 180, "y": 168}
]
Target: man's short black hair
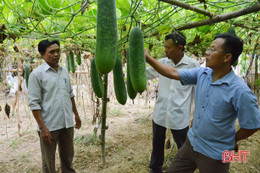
[
  {"x": 177, "y": 37},
  {"x": 44, "y": 44},
  {"x": 232, "y": 44}
]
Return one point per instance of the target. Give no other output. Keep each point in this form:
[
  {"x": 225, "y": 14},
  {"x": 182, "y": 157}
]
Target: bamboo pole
[
  {"x": 202, "y": 11},
  {"x": 16, "y": 102},
  {"x": 256, "y": 77},
  {"x": 246, "y": 27},
  {"x": 5, "y": 119},
  {"x": 220, "y": 18},
  {"x": 216, "y": 19},
  {"x": 252, "y": 60},
  {"x": 103, "y": 120},
  {"x": 13, "y": 70},
  {"x": 82, "y": 98},
  {"x": 189, "y": 7},
  {"x": 77, "y": 83}
]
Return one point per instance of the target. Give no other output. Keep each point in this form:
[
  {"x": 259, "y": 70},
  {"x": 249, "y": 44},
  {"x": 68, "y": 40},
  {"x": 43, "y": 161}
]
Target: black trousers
[{"x": 157, "y": 156}]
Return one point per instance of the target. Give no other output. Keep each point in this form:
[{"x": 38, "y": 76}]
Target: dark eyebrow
[{"x": 55, "y": 49}]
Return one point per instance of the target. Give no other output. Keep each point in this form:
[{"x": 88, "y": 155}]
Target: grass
[
  {"x": 116, "y": 111},
  {"x": 13, "y": 144}
]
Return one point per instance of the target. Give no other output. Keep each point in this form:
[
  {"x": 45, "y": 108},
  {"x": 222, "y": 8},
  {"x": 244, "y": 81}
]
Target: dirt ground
[{"x": 128, "y": 141}]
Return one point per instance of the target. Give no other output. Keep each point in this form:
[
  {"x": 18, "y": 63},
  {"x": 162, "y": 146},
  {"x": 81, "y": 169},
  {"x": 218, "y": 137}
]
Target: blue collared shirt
[
  {"x": 217, "y": 106},
  {"x": 50, "y": 92}
]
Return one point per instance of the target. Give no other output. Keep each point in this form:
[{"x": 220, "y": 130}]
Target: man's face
[
  {"x": 52, "y": 55},
  {"x": 215, "y": 55},
  {"x": 171, "y": 49}
]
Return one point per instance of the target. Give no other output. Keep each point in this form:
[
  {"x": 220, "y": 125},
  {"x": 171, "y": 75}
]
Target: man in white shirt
[
  {"x": 52, "y": 103},
  {"x": 172, "y": 109}
]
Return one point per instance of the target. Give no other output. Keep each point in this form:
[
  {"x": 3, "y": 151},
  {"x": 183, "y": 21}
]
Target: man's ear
[
  {"x": 228, "y": 57},
  {"x": 42, "y": 54},
  {"x": 180, "y": 47}
]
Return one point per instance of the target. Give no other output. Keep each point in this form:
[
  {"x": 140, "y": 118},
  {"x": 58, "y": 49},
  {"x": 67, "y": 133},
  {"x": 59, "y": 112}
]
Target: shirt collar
[
  {"x": 47, "y": 66},
  {"x": 227, "y": 79},
  {"x": 184, "y": 60}
]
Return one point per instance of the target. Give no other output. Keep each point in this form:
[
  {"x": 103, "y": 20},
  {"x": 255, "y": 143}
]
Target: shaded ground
[{"x": 128, "y": 142}]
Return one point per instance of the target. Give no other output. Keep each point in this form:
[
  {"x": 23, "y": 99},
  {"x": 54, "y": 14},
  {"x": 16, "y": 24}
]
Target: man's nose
[{"x": 56, "y": 53}]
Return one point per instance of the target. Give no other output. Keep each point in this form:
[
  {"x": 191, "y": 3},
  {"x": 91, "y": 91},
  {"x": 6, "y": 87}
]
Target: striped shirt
[{"x": 50, "y": 92}]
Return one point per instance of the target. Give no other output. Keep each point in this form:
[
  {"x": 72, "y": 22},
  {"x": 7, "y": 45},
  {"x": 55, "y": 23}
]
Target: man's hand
[
  {"x": 163, "y": 69},
  {"x": 146, "y": 54},
  {"x": 75, "y": 111},
  {"x": 46, "y": 135},
  {"x": 236, "y": 147},
  {"x": 243, "y": 134},
  {"x": 78, "y": 122}
]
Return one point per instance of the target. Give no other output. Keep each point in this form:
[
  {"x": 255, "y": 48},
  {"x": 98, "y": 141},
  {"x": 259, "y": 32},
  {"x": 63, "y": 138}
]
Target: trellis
[{"x": 201, "y": 18}]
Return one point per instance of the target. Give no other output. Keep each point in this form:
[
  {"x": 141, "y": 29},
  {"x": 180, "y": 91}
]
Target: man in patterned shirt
[
  {"x": 172, "y": 109},
  {"x": 52, "y": 103}
]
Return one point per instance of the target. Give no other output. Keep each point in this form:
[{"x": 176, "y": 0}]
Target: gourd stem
[{"x": 103, "y": 120}]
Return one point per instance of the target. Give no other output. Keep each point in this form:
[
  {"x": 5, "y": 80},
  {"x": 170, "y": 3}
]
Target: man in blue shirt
[{"x": 221, "y": 97}]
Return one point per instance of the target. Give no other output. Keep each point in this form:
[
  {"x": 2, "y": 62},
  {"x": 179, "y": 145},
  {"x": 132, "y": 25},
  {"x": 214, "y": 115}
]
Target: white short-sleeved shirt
[
  {"x": 50, "y": 92},
  {"x": 173, "y": 106}
]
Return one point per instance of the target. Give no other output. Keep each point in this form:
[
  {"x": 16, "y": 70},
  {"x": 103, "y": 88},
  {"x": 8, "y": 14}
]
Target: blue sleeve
[
  {"x": 189, "y": 76},
  {"x": 248, "y": 111}
]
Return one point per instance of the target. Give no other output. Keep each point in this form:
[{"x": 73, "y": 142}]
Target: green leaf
[
  {"x": 231, "y": 30},
  {"x": 1, "y": 8},
  {"x": 123, "y": 6}
]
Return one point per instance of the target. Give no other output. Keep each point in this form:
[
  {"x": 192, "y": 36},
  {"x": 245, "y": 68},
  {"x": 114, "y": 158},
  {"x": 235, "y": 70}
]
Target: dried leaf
[
  {"x": 7, "y": 110},
  {"x": 19, "y": 128},
  {"x": 86, "y": 55},
  {"x": 205, "y": 6},
  {"x": 16, "y": 48},
  {"x": 84, "y": 9},
  {"x": 150, "y": 47},
  {"x": 168, "y": 144}
]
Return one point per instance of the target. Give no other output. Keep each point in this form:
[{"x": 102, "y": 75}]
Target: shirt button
[
  {"x": 203, "y": 107},
  {"x": 198, "y": 117},
  {"x": 207, "y": 95}
]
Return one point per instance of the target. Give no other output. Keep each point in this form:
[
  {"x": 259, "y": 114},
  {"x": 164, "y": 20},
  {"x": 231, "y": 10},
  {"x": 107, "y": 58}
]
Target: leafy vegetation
[{"x": 74, "y": 21}]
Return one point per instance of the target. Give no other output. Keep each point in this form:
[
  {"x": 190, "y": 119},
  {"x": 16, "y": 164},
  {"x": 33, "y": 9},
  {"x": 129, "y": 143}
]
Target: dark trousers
[
  {"x": 187, "y": 160},
  {"x": 64, "y": 139},
  {"x": 157, "y": 156}
]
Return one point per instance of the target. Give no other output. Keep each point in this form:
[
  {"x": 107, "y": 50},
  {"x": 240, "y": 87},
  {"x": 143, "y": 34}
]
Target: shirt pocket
[
  {"x": 65, "y": 86},
  {"x": 220, "y": 109}
]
